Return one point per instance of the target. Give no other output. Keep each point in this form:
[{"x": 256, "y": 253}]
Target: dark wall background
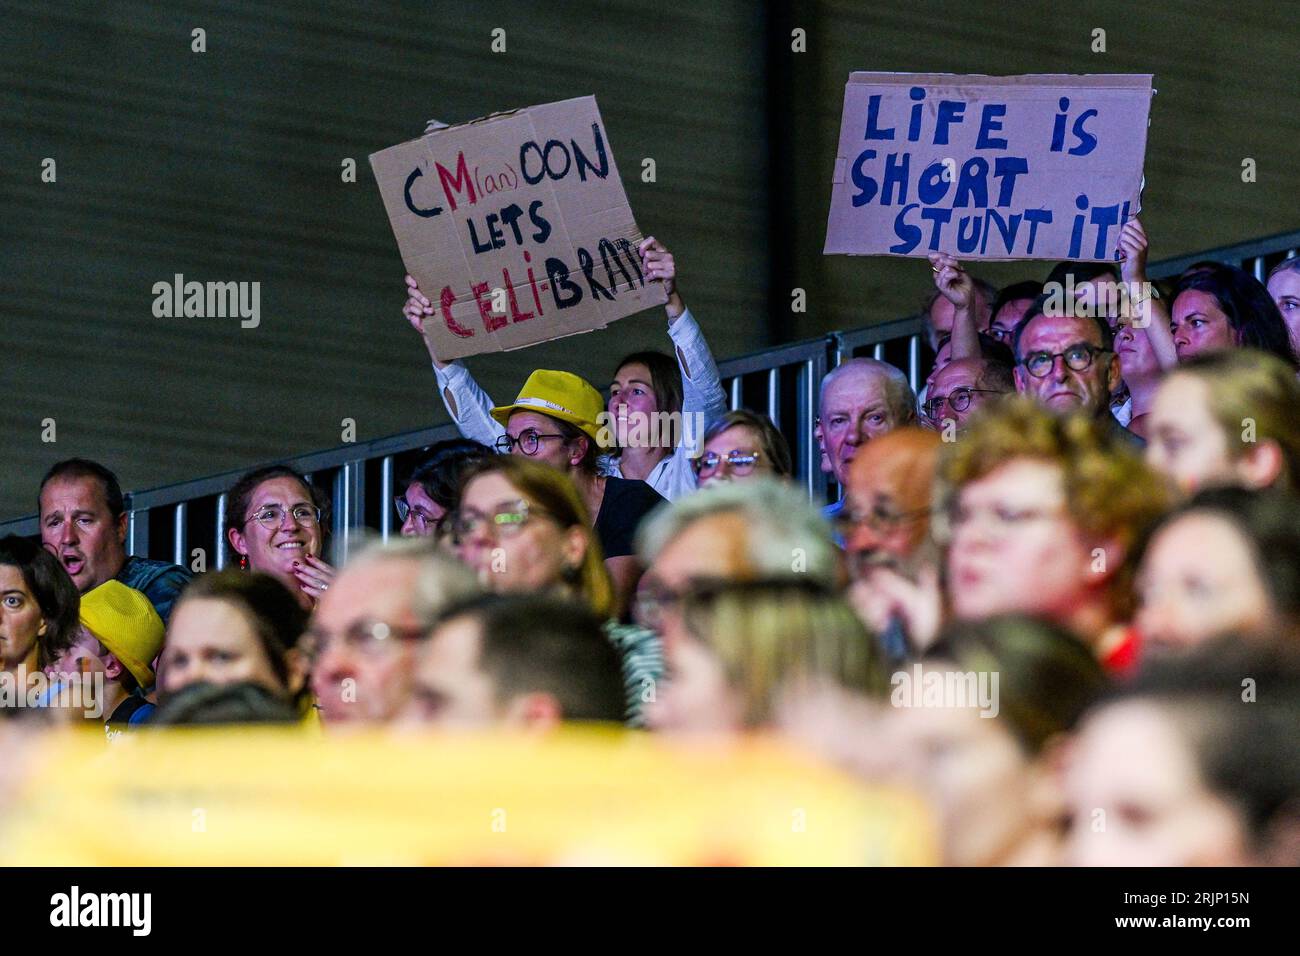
[{"x": 225, "y": 165}]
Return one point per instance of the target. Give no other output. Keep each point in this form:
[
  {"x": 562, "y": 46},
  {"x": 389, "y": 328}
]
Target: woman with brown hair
[
  {"x": 1228, "y": 418},
  {"x": 524, "y": 529},
  {"x": 276, "y": 523}
]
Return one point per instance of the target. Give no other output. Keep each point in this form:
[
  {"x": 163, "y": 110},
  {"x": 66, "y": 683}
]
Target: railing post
[
  {"x": 349, "y": 506},
  {"x": 386, "y": 495},
  {"x": 914, "y": 361},
  {"x": 219, "y": 559},
  {"x": 137, "y": 533},
  {"x": 774, "y": 395},
  {"x": 180, "y": 539},
  {"x": 735, "y": 392},
  {"x": 807, "y": 453}
]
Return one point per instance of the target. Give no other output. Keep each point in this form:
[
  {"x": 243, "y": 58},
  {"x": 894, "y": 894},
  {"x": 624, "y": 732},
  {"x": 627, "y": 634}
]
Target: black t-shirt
[{"x": 626, "y": 502}]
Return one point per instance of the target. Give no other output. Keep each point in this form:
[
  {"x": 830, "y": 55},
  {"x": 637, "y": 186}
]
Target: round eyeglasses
[
  {"x": 1077, "y": 357},
  {"x": 528, "y": 442}
]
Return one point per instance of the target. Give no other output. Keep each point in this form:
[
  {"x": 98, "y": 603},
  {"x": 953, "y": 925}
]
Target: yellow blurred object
[{"x": 583, "y": 796}]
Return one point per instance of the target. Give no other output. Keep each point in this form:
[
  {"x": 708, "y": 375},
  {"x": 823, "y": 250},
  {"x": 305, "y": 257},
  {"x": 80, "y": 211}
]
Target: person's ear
[
  {"x": 574, "y": 548},
  {"x": 1018, "y": 375},
  {"x": 1116, "y": 377},
  {"x": 579, "y": 450},
  {"x": 40, "y": 631},
  {"x": 535, "y": 712},
  {"x": 113, "y": 668},
  {"x": 297, "y": 669},
  {"x": 1261, "y": 464},
  {"x": 237, "y": 541},
  {"x": 121, "y": 529}
]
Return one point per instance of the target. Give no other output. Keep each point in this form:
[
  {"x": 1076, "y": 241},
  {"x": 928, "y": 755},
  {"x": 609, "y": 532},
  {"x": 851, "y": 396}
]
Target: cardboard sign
[
  {"x": 516, "y": 227},
  {"x": 988, "y": 167}
]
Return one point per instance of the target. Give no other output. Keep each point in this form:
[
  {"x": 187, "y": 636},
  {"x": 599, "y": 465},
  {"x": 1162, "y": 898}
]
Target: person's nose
[
  {"x": 68, "y": 533},
  {"x": 335, "y": 662},
  {"x": 408, "y": 529},
  {"x": 854, "y": 434},
  {"x": 862, "y": 539},
  {"x": 1155, "y": 621},
  {"x": 1060, "y": 371}
]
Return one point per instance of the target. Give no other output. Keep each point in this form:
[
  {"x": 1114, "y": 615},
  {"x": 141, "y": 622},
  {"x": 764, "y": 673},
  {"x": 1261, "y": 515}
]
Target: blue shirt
[{"x": 159, "y": 581}]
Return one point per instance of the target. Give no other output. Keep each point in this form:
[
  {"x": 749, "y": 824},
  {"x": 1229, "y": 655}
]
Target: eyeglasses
[
  {"x": 738, "y": 462},
  {"x": 1003, "y": 519},
  {"x": 879, "y": 519},
  {"x": 652, "y": 601},
  {"x": 528, "y": 442},
  {"x": 422, "y": 517},
  {"x": 505, "y": 523},
  {"x": 365, "y": 637},
  {"x": 1077, "y": 357},
  {"x": 958, "y": 400},
  {"x": 272, "y": 516}
]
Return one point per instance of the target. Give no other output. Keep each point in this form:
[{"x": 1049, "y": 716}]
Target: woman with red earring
[{"x": 275, "y": 522}]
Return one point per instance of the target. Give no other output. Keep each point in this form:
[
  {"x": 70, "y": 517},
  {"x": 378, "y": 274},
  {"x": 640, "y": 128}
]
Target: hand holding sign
[
  {"x": 1133, "y": 252},
  {"x": 417, "y": 309},
  {"x": 660, "y": 266}
]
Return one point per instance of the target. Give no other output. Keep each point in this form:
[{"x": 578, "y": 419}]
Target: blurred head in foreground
[
  {"x": 225, "y": 705},
  {"x": 739, "y": 531},
  {"x": 976, "y": 726},
  {"x": 1040, "y": 514},
  {"x": 1228, "y": 418},
  {"x": 229, "y": 627},
  {"x": 1226, "y": 561},
  {"x": 744, "y": 643},
  {"x": 365, "y": 630},
  {"x": 518, "y": 662},
  {"x": 1195, "y": 764}
]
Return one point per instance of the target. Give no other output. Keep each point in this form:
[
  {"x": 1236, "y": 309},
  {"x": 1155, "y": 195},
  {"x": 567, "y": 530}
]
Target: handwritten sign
[
  {"x": 516, "y": 227},
  {"x": 988, "y": 167}
]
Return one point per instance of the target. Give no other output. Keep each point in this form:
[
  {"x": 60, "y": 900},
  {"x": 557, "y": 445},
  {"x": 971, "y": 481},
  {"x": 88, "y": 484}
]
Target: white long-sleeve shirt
[{"x": 703, "y": 400}]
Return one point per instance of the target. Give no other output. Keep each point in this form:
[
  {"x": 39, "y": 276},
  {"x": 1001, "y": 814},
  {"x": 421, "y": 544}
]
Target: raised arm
[
  {"x": 468, "y": 405},
  {"x": 701, "y": 384},
  {"x": 957, "y": 286},
  {"x": 1147, "y": 312}
]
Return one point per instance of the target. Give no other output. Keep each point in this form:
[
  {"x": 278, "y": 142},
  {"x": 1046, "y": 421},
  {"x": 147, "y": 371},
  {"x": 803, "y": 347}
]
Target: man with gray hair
[
  {"x": 367, "y": 626},
  {"x": 861, "y": 399},
  {"x": 735, "y": 531}
]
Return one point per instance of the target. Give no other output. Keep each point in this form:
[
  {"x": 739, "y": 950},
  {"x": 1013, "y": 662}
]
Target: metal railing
[{"x": 783, "y": 382}]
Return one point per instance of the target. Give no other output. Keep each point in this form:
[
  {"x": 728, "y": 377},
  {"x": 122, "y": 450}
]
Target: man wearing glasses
[
  {"x": 1068, "y": 363},
  {"x": 961, "y": 387},
  {"x": 368, "y": 626}
]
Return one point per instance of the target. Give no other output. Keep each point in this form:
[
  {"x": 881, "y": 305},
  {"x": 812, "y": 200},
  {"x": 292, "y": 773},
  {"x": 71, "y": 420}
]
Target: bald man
[
  {"x": 886, "y": 525},
  {"x": 861, "y": 399},
  {"x": 961, "y": 387}
]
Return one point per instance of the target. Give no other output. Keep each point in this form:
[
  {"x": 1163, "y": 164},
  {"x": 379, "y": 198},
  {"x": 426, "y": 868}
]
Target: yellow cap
[
  {"x": 562, "y": 395},
  {"x": 126, "y": 624}
]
